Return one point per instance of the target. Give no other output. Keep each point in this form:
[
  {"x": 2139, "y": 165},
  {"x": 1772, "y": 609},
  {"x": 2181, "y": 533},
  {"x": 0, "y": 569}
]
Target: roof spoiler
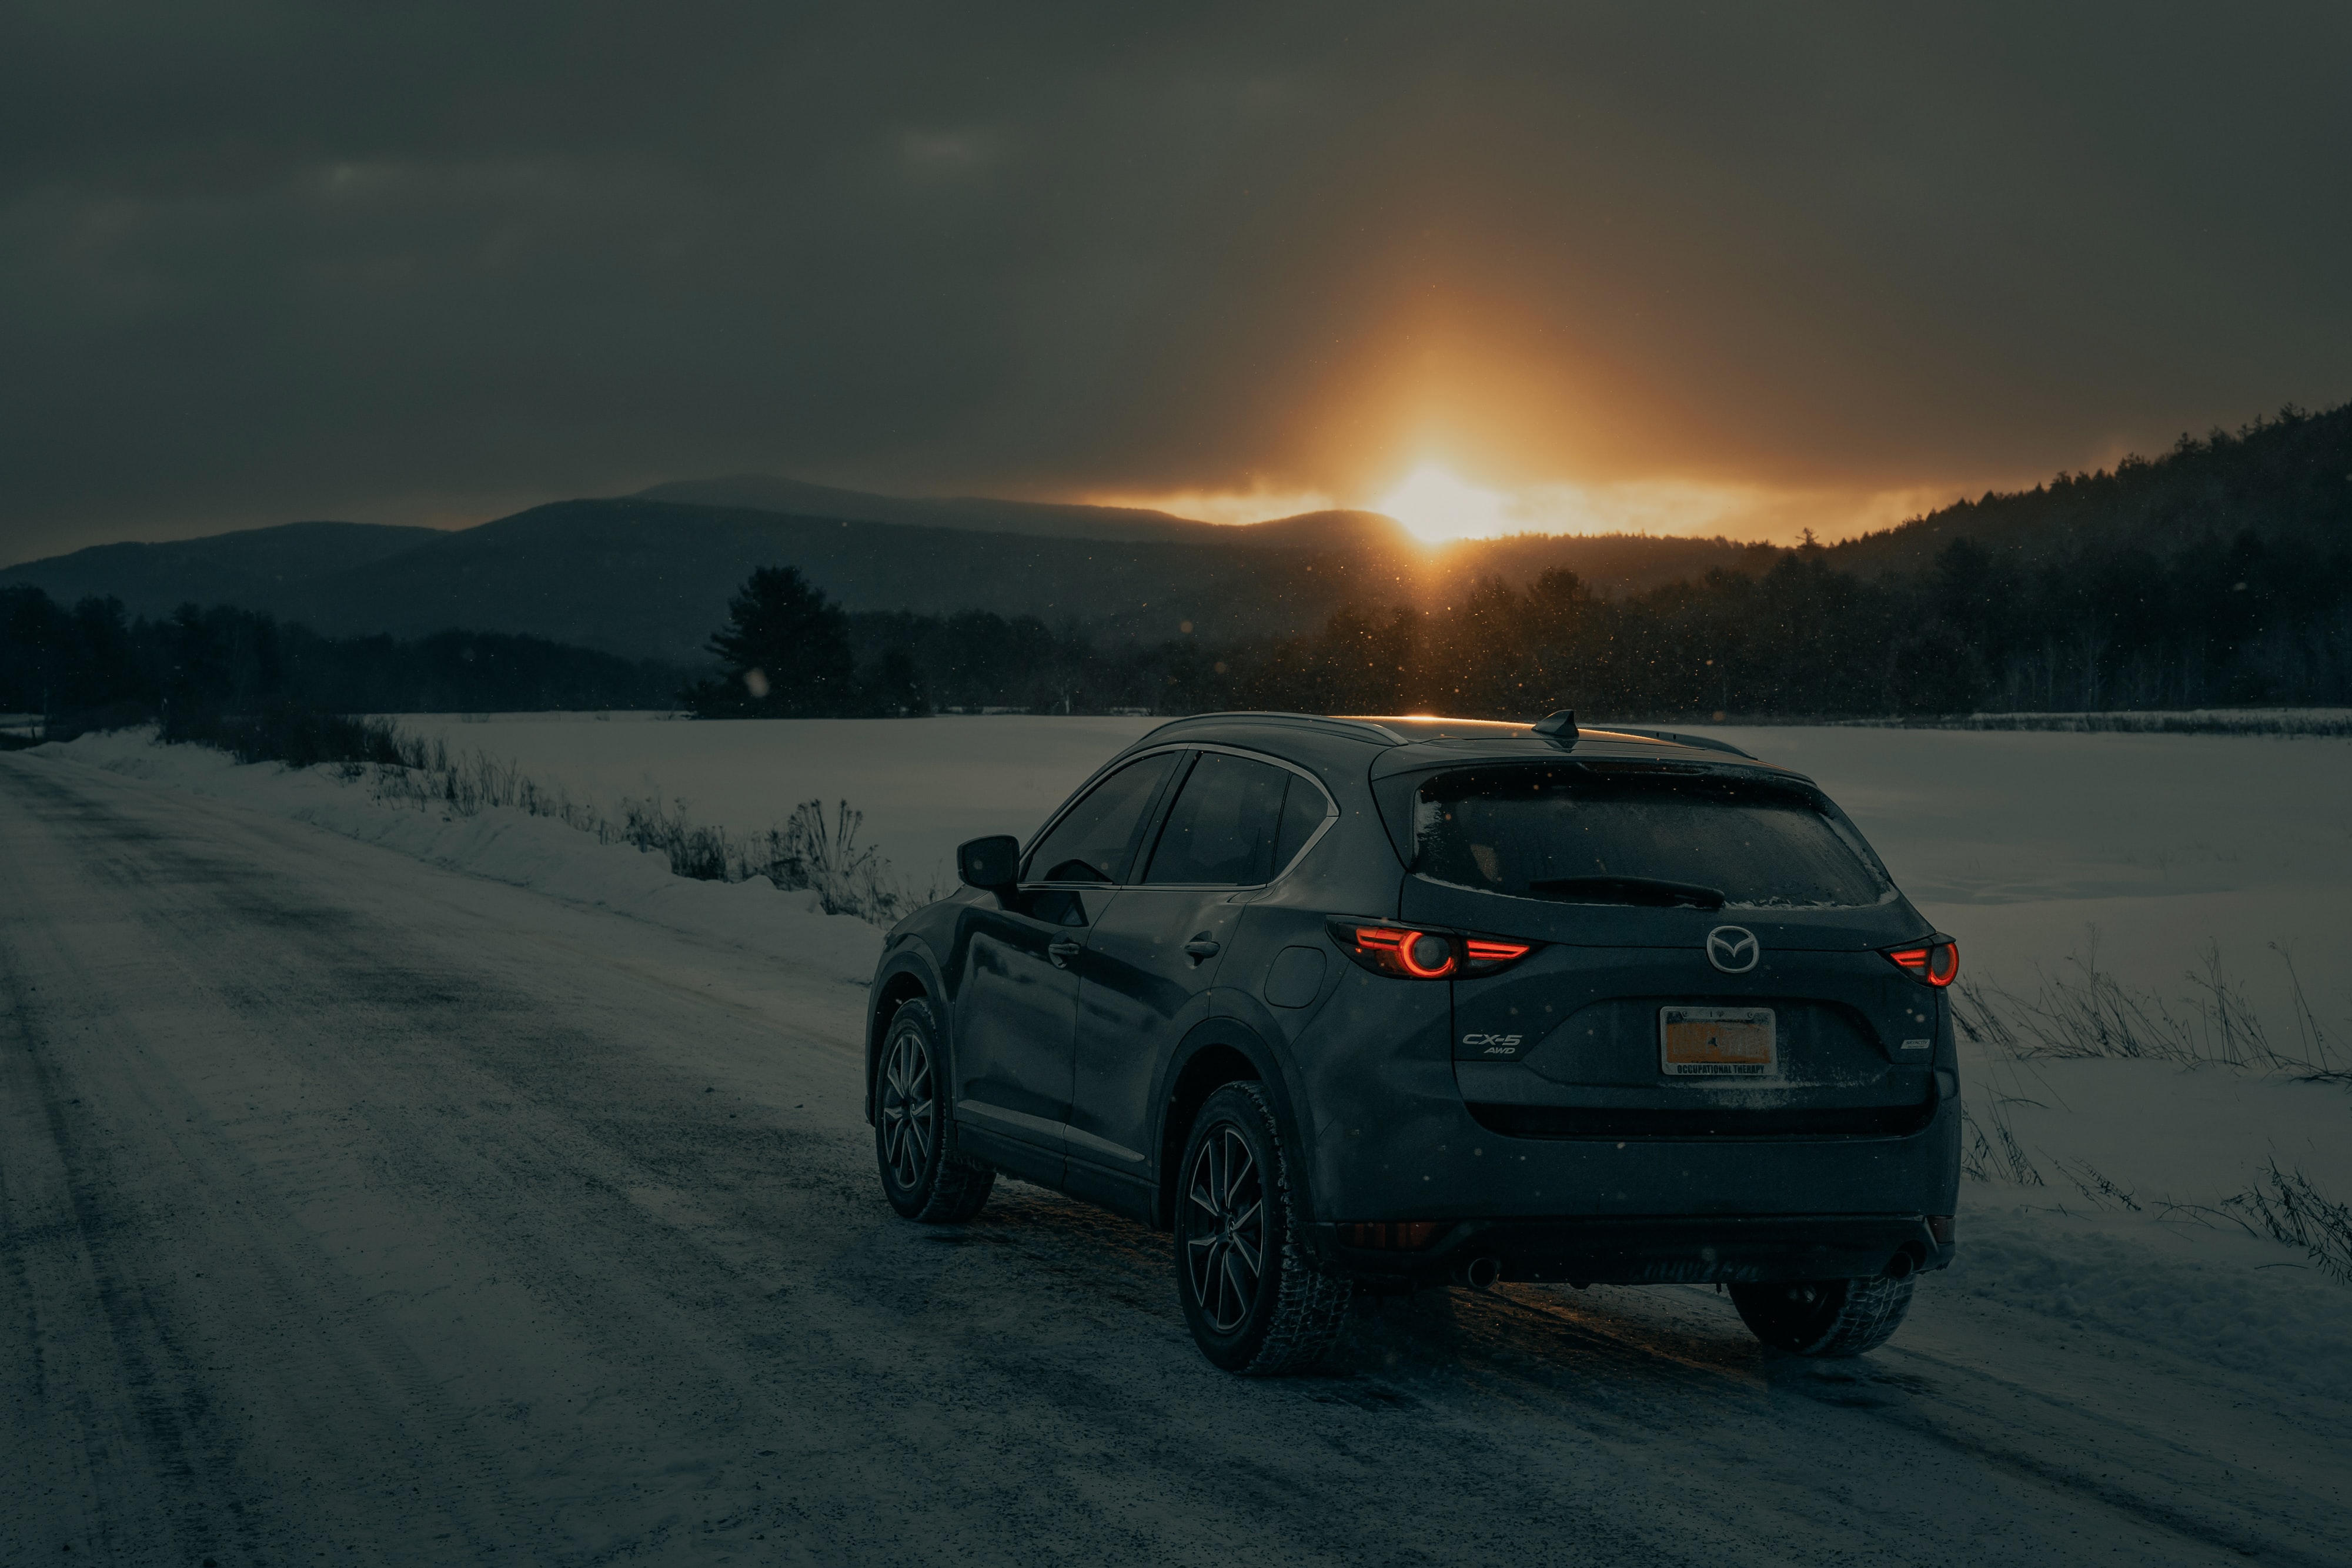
[{"x": 1704, "y": 742}]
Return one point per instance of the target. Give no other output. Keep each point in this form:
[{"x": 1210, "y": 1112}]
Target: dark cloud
[{"x": 260, "y": 261}]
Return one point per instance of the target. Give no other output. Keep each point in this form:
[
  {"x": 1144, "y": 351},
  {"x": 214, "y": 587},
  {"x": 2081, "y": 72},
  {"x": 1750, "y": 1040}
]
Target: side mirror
[{"x": 994, "y": 864}]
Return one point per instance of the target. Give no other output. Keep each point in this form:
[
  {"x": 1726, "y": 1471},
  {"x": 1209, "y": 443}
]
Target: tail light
[
  {"x": 1936, "y": 961},
  {"x": 1410, "y": 954},
  {"x": 1413, "y": 954}
]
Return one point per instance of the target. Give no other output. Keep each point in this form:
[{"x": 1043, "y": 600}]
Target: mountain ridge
[
  {"x": 979, "y": 514},
  {"x": 646, "y": 576}
]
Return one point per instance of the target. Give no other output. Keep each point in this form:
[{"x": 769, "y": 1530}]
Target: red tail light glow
[
  {"x": 1420, "y": 955},
  {"x": 1937, "y": 961},
  {"x": 1412, "y": 954}
]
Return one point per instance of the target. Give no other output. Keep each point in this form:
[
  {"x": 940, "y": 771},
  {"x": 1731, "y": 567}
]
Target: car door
[
  {"x": 1017, "y": 1004},
  {"x": 1153, "y": 953}
]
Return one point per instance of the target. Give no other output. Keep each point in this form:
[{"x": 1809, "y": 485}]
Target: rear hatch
[{"x": 1708, "y": 951}]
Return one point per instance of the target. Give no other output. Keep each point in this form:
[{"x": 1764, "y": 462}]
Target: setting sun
[{"x": 1437, "y": 505}]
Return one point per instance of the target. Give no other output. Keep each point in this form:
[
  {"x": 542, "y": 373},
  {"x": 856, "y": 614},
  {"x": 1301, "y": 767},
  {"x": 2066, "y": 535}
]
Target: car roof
[{"x": 1424, "y": 739}]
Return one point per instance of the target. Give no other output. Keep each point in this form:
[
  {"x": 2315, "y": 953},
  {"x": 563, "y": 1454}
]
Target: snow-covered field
[
  {"x": 2019, "y": 844},
  {"x": 2126, "y": 1261},
  {"x": 2275, "y": 721}
]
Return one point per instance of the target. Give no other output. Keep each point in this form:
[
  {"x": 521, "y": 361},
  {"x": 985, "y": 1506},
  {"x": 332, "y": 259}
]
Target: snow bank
[
  {"x": 2210, "y": 1296},
  {"x": 507, "y": 846},
  {"x": 925, "y": 785}
]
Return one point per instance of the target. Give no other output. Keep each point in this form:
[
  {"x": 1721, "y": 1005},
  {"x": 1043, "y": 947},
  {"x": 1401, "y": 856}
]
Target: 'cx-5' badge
[{"x": 1733, "y": 949}]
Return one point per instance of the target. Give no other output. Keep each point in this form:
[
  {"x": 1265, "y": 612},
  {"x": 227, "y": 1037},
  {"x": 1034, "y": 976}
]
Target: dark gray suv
[{"x": 1358, "y": 1005}]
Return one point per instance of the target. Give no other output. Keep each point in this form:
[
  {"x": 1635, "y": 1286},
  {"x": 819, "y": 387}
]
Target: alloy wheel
[
  {"x": 1225, "y": 1233},
  {"x": 910, "y": 1110}
]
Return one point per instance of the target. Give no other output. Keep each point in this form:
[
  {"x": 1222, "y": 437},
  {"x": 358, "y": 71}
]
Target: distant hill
[
  {"x": 2288, "y": 480},
  {"x": 648, "y": 579},
  {"x": 1359, "y": 532},
  {"x": 651, "y": 578},
  {"x": 768, "y": 493},
  {"x": 253, "y": 568}
]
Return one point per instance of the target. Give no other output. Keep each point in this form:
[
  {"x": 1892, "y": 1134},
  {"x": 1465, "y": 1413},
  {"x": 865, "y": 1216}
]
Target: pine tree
[{"x": 787, "y": 648}]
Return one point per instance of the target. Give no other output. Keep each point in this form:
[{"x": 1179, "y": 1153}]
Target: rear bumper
[{"x": 1635, "y": 1250}]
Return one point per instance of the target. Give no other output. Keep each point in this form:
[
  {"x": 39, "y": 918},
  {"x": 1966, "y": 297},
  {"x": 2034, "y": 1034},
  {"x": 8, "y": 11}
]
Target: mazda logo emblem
[{"x": 1733, "y": 949}]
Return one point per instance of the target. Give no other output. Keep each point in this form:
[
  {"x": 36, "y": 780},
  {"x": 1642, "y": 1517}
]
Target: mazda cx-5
[{"x": 1363, "y": 1005}]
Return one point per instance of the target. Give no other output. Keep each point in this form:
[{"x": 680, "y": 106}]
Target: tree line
[
  {"x": 2218, "y": 574},
  {"x": 2218, "y": 624},
  {"x": 2225, "y": 625},
  {"x": 2242, "y": 623},
  {"x": 91, "y": 665}
]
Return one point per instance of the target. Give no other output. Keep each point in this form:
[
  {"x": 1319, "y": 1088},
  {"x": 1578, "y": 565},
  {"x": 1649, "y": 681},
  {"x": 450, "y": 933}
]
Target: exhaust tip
[
  {"x": 1901, "y": 1266},
  {"x": 1479, "y": 1272}
]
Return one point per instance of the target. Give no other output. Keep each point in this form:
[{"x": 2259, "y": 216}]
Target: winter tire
[
  {"x": 922, "y": 1175},
  {"x": 1256, "y": 1301},
  {"x": 1825, "y": 1317}
]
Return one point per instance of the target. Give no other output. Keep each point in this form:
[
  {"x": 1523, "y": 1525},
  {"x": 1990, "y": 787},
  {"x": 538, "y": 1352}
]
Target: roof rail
[{"x": 1361, "y": 729}]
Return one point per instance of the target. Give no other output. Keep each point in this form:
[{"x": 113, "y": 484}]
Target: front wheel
[
  {"x": 1256, "y": 1301},
  {"x": 1825, "y": 1317},
  {"x": 923, "y": 1178}
]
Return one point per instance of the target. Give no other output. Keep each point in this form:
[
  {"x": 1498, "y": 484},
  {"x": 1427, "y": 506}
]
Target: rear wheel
[
  {"x": 923, "y": 1178},
  {"x": 1825, "y": 1317},
  {"x": 1255, "y": 1300}
]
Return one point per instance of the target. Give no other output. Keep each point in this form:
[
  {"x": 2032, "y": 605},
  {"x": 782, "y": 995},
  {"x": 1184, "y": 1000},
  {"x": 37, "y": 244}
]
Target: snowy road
[{"x": 356, "y": 1209}]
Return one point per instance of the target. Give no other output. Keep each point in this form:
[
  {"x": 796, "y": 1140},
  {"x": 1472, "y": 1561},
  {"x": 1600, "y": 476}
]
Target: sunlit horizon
[{"x": 1438, "y": 506}]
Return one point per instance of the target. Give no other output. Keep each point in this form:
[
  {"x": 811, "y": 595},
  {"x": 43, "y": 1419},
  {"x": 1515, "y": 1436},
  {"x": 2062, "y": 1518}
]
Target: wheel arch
[
  {"x": 904, "y": 975},
  {"x": 1217, "y": 1052}
]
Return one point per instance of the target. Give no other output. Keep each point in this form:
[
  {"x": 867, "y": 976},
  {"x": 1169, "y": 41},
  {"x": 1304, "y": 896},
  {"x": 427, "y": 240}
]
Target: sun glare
[{"x": 1437, "y": 505}]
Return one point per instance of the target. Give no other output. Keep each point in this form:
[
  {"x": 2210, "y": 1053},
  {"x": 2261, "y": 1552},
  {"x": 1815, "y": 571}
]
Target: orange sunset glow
[{"x": 1438, "y": 503}]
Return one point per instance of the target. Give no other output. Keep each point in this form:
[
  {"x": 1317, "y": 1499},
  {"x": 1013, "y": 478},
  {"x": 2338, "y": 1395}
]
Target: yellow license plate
[{"x": 1717, "y": 1043}]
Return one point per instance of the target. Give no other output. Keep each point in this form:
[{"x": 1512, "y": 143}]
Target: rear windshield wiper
[{"x": 1647, "y": 891}]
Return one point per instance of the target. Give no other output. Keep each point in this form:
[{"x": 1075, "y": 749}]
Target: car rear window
[{"x": 1581, "y": 835}]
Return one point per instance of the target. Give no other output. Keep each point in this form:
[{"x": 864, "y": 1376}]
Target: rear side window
[
  {"x": 1226, "y": 824},
  {"x": 1587, "y": 837},
  {"x": 1096, "y": 838},
  {"x": 1303, "y": 811}
]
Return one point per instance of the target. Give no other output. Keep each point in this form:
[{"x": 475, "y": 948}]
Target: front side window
[
  {"x": 1096, "y": 840},
  {"x": 1587, "y": 837},
  {"x": 1226, "y": 824}
]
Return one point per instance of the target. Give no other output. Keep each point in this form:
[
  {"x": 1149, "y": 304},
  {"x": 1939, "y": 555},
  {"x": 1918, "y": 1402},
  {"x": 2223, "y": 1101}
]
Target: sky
[{"x": 1743, "y": 269}]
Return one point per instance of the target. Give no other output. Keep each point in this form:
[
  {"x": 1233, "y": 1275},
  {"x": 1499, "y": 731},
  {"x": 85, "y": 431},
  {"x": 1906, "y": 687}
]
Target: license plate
[{"x": 1717, "y": 1043}]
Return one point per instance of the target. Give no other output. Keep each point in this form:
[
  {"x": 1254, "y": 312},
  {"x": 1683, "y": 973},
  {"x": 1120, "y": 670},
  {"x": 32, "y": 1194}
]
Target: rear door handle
[
  {"x": 1201, "y": 948},
  {"x": 1062, "y": 952}
]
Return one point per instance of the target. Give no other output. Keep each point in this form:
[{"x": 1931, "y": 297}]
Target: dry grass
[
  {"x": 2290, "y": 1209},
  {"x": 2084, "y": 1011},
  {"x": 811, "y": 852}
]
